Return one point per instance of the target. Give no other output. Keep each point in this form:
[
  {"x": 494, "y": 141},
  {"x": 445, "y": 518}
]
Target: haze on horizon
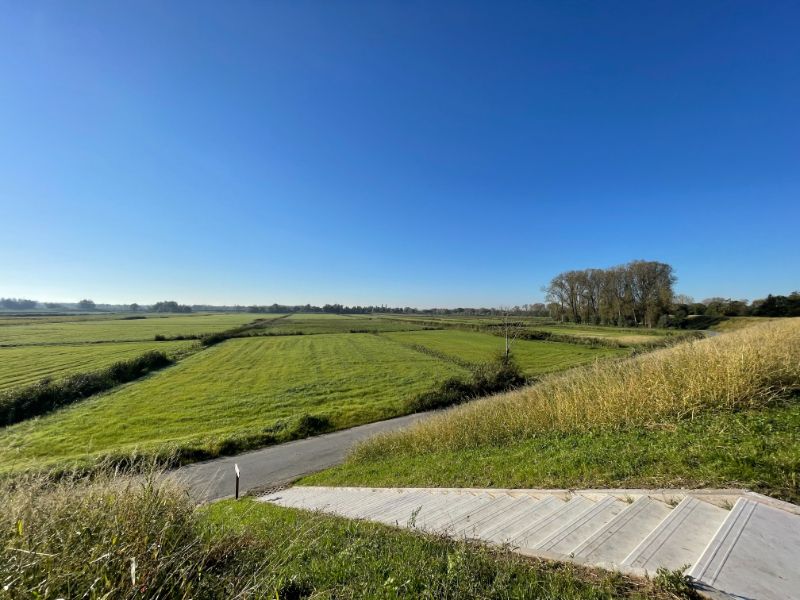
[{"x": 447, "y": 154}]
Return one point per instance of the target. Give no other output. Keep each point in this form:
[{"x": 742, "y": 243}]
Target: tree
[
  {"x": 511, "y": 329},
  {"x": 86, "y": 304},
  {"x": 134, "y": 307}
]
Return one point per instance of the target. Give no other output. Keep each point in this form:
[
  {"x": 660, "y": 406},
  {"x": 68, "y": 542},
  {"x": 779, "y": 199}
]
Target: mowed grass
[
  {"x": 533, "y": 356},
  {"x": 117, "y": 330},
  {"x": 26, "y": 365},
  {"x": 312, "y": 323},
  {"x": 239, "y": 388}
]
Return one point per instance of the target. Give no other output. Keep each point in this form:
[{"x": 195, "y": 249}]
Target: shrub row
[
  {"x": 489, "y": 378},
  {"x": 47, "y": 395}
]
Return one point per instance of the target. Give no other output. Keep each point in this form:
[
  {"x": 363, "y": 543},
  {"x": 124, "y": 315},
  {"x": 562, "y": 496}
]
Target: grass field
[
  {"x": 26, "y": 365},
  {"x": 617, "y": 336},
  {"x": 117, "y": 330},
  {"x": 534, "y": 357},
  {"x": 721, "y": 411},
  {"x": 233, "y": 390},
  {"x": 326, "y": 323}
]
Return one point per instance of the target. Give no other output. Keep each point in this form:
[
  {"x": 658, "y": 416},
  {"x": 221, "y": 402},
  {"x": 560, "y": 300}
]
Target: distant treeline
[
  {"x": 771, "y": 306},
  {"x": 638, "y": 293}
]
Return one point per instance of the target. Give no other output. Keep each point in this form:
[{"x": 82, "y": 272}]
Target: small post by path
[{"x": 235, "y": 466}]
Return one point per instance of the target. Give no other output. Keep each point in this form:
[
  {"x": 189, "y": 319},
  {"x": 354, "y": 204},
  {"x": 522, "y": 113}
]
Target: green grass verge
[
  {"x": 534, "y": 357},
  {"x": 237, "y": 395},
  {"x": 757, "y": 449},
  {"x": 25, "y": 365},
  {"x": 328, "y": 557}
]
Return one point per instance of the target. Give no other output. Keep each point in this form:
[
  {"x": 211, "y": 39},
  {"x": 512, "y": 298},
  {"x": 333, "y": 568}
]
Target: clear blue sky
[{"x": 420, "y": 153}]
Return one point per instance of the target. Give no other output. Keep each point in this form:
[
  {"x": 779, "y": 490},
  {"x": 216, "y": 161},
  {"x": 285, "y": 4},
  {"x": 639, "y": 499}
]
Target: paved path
[{"x": 275, "y": 465}]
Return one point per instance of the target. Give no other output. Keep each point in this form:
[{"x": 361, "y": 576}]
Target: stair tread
[
  {"x": 680, "y": 538},
  {"x": 531, "y": 535},
  {"x": 586, "y": 523},
  {"x": 755, "y": 538},
  {"x": 613, "y": 542}
]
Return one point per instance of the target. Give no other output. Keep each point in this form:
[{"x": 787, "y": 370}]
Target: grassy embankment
[
  {"x": 718, "y": 412},
  {"x": 122, "y": 537}
]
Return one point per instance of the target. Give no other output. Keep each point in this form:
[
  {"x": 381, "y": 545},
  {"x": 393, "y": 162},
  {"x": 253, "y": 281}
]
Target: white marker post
[{"x": 235, "y": 466}]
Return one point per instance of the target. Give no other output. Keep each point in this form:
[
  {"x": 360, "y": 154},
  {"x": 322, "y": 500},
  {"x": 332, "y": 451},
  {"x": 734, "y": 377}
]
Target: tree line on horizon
[{"x": 639, "y": 293}]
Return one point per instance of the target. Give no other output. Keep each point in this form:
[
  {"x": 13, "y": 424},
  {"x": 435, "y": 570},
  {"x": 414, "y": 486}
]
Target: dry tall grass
[
  {"x": 747, "y": 368},
  {"x": 112, "y": 536}
]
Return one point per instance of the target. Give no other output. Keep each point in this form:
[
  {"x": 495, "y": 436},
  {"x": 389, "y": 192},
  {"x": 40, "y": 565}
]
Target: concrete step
[
  {"x": 357, "y": 508},
  {"x": 679, "y": 540},
  {"x": 447, "y": 523},
  {"x": 347, "y": 500},
  {"x": 534, "y": 533},
  {"x": 528, "y": 511},
  {"x": 408, "y": 513},
  {"x": 400, "y": 510},
  {"x": 564, "y": 540},
  {"x": 472, "y": 521},
  {"x": 442, "y": 518},
  {"x": 755, "y": 554},
  {"x": 609, "y": 545}
]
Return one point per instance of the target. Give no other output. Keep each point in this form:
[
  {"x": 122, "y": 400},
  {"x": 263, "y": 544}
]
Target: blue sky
[{"x": 407, "y": 153}]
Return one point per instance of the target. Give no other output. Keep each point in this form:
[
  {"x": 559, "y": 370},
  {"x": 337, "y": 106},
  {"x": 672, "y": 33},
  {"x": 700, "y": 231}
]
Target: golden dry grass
[{"x": 744, "y": 369}]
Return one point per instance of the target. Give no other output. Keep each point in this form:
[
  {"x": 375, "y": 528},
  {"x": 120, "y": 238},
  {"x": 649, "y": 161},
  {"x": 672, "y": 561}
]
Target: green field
[
  {"x": 116, "y": 330},
  {"x": 238, "y": 388},
  {"x": 534, "y": 357},
  {"x": 25, "y": 365},
  {"x": 242, "y": 393},
  {"x": 325, "y": 323}
]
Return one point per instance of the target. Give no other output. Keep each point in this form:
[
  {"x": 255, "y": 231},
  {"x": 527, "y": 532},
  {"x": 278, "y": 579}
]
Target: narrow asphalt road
[{"x": 276, "y": 465}]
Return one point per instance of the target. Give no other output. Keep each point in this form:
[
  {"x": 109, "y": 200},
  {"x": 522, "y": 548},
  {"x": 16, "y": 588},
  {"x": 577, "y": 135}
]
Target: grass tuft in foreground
[{"x": 131, "y": 537}]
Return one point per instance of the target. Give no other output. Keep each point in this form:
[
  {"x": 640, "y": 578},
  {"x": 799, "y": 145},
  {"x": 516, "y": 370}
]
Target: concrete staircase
[{"x": 735, "y": 543}]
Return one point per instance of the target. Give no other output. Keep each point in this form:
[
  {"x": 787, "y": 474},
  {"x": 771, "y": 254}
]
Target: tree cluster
[
  {"x": 637, "y": 293},
  {"x": 771, "y": 306},
  {"x": 170, "y": 306},
  {"x": 18, "y": 303}
]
